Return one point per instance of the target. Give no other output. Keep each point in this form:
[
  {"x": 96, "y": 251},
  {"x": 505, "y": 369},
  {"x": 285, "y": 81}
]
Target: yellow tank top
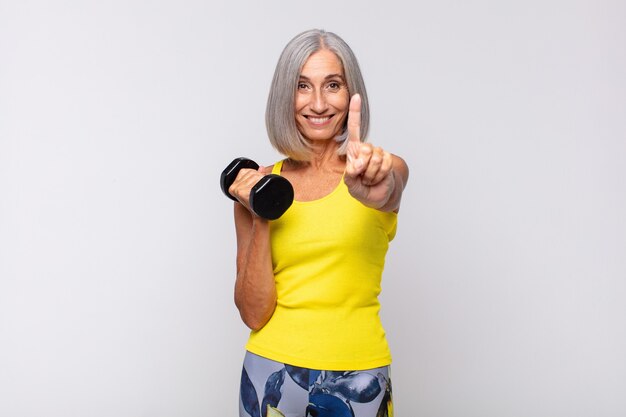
[{"x": 328, "y": 257}]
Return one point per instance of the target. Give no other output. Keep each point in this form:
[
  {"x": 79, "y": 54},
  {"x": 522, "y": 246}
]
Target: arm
[{"x": 255, "y": 288}]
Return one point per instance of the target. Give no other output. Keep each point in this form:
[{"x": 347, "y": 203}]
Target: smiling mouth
[{"x": 318, "y": 120}]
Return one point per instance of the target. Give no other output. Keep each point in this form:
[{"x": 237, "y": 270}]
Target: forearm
[
  {"x": 399, "y": 175},
  {"x": 255, "y": 288},
  {"x": 395, "y": 194}
]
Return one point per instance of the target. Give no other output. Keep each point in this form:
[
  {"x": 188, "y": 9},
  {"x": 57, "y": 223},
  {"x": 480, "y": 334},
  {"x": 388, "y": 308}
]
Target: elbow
[
  {"x": 255, "y": 322},
  {"x": 255, "y": 318}
]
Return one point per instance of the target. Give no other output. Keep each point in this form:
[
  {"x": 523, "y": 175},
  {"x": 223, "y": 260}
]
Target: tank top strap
[{"x": 278, "y": 166}]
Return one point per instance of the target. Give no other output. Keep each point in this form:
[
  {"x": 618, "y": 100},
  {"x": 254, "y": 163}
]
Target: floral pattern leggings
[{"x": 274, "y": 389}]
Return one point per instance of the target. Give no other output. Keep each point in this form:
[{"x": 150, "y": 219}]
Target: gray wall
[{"x": 504, "y": 289}]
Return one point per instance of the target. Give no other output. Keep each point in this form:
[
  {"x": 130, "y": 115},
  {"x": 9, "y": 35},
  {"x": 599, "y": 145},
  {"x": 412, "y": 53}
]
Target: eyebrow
[{"x": 304, "y": 77}]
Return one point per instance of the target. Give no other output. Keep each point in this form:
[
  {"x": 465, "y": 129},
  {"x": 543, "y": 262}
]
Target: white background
[{"x": 505, "y": 289}]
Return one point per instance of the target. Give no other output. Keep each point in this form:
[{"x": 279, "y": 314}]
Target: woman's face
[{"x": 322, "y": 97}]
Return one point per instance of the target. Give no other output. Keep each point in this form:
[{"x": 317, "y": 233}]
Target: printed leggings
[{"x": 274, "y": 389}]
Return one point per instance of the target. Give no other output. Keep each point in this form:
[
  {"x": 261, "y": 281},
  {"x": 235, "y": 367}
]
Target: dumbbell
[{"x": 270, "y": 197}]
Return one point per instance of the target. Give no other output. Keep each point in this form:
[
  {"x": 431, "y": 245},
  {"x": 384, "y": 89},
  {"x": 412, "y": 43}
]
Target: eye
[
  {"x": 334, "y": 85},
  {"x": 302, "y": 86}
]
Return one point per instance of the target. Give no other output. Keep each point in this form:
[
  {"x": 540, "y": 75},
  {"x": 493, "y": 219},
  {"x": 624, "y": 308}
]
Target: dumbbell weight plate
[
  {"x": 230, "y": 173},
  {"x": 271, "y": 196}
]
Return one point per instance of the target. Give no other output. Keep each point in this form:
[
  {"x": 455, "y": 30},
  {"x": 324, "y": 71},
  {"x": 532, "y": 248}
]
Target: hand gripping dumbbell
[{"x": 270, "y": 197}]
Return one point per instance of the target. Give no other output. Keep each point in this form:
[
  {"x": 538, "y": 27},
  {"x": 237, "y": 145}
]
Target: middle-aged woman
[{"x": 308, "y": 283}]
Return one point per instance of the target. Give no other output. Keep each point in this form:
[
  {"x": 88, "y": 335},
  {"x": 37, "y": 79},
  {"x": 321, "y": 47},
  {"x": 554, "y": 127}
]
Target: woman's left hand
[{"x": 369, "y": 169}]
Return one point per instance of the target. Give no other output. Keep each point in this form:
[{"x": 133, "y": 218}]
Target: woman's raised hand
[{"x": 369, "y": 175}]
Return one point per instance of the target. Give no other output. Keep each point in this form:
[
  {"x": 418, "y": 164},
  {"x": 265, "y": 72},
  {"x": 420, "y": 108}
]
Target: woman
[{"x": 307, "y": 284}]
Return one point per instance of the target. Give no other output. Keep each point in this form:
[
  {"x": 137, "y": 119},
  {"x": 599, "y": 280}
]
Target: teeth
[{"x": 318, "y": 119}]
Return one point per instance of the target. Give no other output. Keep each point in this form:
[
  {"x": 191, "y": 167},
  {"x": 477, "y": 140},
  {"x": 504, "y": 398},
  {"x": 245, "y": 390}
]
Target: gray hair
[{"x": 280, "y": 115}]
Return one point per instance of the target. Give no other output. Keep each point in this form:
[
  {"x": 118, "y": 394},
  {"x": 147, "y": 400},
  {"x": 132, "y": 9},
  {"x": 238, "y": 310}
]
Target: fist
[{"x": 241, "y": 187}]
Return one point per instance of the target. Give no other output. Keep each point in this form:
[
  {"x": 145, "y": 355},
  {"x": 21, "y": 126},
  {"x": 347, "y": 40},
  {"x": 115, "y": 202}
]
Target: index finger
[{"x": 354, "y": 119}]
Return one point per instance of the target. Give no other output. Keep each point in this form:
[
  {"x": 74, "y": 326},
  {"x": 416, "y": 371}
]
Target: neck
[{"x": 324, "y": 153}]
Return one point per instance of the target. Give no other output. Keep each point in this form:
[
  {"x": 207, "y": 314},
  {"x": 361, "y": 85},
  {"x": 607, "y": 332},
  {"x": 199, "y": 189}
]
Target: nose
[{"x": 318, "y": 102}]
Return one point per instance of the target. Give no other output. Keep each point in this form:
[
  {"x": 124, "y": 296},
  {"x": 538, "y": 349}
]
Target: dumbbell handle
[{"x": 270, "y": 197}]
